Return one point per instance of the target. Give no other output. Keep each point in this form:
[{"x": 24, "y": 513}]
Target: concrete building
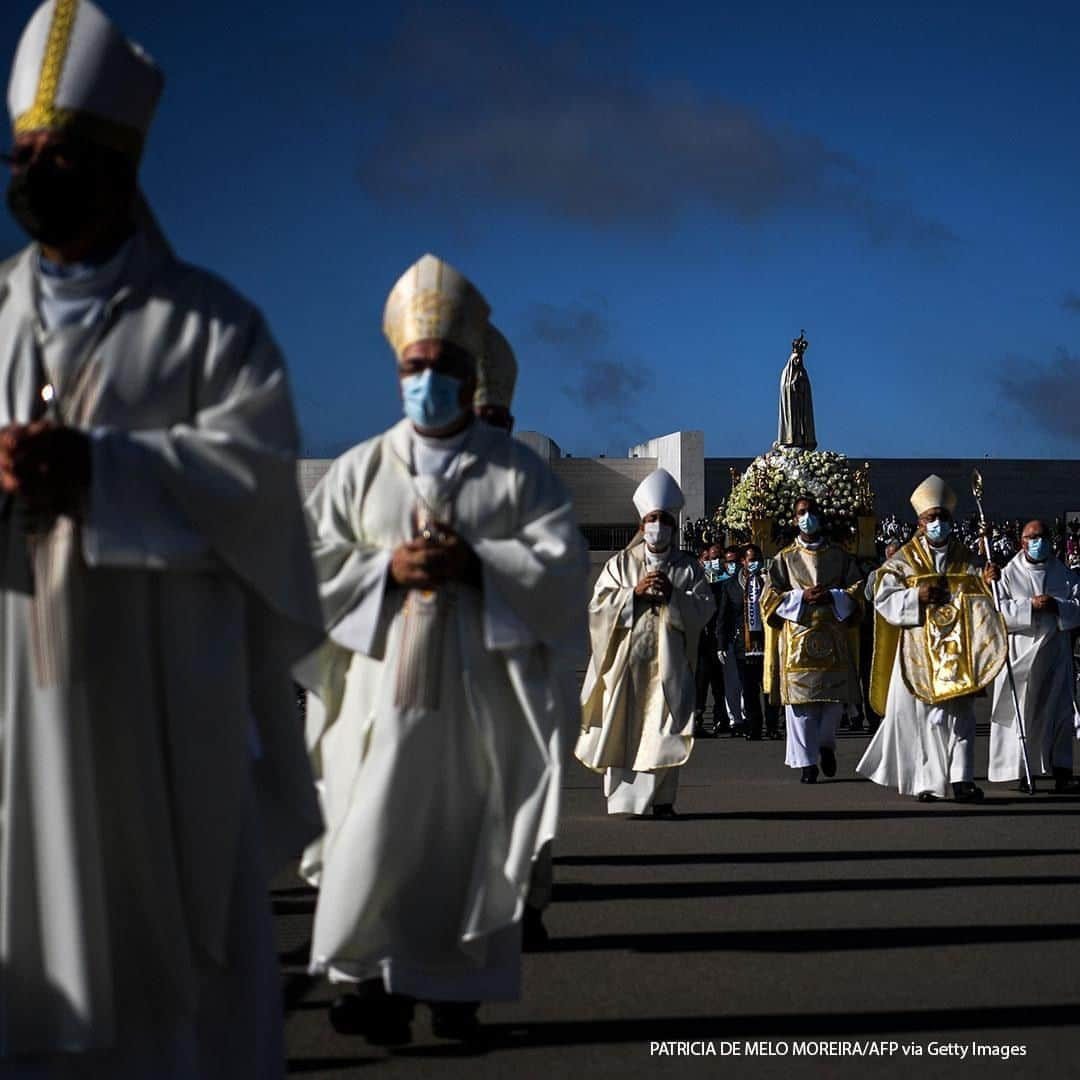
[{"x": 603, "y": 488}]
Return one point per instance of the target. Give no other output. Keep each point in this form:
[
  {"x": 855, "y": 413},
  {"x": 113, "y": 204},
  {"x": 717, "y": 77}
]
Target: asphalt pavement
[{"x": 774, "y": 930}]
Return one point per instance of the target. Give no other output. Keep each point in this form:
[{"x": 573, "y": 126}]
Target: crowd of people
[{"x": 163, "y": 587}]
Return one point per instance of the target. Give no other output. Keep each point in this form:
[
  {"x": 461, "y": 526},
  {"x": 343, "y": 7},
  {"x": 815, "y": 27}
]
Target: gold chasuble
[
  {"x": 958, "y": 648},
  {"x": 816, "y": 658}
]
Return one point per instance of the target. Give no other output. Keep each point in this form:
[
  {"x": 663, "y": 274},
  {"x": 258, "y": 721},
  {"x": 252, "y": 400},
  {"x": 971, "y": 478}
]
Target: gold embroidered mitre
[
  {"x": 431, "y": 300},
  {"x": 74, "y": 71},
  {"x": 497, "y": 372},
  {"x": 933, "y": 491}
]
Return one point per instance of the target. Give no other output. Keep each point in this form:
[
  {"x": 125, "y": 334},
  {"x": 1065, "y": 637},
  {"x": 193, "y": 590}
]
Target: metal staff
[{"x": 977, "y": 490}]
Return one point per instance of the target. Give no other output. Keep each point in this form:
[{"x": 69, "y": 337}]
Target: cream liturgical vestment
[
  {"x": 638, "y": 697},
  {"x": 438, "y": 724},
  {"x": 146, "y": 712},
  {"x": 1040, "y": 649},
  {"x": 928, "y": 662}
]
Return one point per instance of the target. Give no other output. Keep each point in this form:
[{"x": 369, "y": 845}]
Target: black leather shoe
[
  {"x": 664, "y": 811},
  {"x": 455, "y": 1020},
  {"x": 348, "y": 1015},
  {"x": 383, "y": 1019},
  {"x": 1065, "y": 783},
  {"x": 966, "y": 791},
  {"x": 828, "y": 761},
  {"x": 809, "y": 774},
  {"x": 927, "y": 796}
]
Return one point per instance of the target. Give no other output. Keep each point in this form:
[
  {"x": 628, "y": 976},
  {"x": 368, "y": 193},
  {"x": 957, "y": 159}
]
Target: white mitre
[
  {"x": 74, "y": 71},
  {"x": 496, "y": 375},
  {"x": 431, "y": 300},
  {"x": 933, "y": 491},
  {"x": 658, "y": 491}
]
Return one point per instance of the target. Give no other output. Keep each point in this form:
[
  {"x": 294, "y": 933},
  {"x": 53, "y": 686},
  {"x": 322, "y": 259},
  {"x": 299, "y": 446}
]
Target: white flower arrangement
[{"x": 772, "y": 483}]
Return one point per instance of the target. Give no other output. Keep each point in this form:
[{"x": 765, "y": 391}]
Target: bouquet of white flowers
[{"x": 772, "y": 483}]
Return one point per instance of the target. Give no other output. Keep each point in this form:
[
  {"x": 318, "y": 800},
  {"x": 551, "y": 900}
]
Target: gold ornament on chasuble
[
  {"x": 816, "y": 658},
  {"x": 960, "y": 646}
]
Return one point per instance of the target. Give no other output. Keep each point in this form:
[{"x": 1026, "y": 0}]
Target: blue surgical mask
[
  {"x": 731, "y": 567},
  {"x": 431, "y": 399},
  {"x": 938, "y": 530},
  {"x": 1038, "y": 550},
  {"x": 753, "y": 566},
  {"x": 713, "y": 564},
  {"x": 808, "y": 523}
]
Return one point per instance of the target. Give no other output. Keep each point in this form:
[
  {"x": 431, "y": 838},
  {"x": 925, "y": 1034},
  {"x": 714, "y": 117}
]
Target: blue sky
[{"x": 654, "y": 199}]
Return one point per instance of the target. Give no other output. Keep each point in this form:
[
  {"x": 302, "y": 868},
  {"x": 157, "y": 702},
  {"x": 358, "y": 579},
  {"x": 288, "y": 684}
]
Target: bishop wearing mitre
[
  {"x": 452, "y": 572},
  {"x": 649, "y": 606},
  {"x": 155, "y": 589},
  {"x": 938, "y": 640}
]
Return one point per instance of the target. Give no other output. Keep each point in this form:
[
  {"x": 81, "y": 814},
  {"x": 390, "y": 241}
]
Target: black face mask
[{"x": 52, "y": 205}]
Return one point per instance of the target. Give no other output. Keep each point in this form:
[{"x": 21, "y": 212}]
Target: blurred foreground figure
[
  {"x": 156, "y": 588},
  {"x": 1040, "y": 604},
  {"x": 937, "y": 642},
  {"x": 649, "y": 605},
  {"x": 452, "y": 573}
]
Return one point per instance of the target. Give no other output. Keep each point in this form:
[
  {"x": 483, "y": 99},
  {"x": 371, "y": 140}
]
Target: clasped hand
[
  {"x": 654, "y": 585},
  {"x": 427, "y": 562},
  {"x": 817, "y": 594},
  {"x": 45, "y": 463},
  {"x": 1043, "y": 602},
  {"x": 934, "y": 592}
]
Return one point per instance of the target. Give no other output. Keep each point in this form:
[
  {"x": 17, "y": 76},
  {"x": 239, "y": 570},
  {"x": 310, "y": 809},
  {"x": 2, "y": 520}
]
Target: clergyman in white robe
[
  {"x": 435, "y": 814},
  {"x": 638, "y": 697},
  {"x": 949, "y": 649},
  {"x": 147, "y": 709},
  {"x": 152, "y": 760},
  {"x": 1040, "y": 650}
]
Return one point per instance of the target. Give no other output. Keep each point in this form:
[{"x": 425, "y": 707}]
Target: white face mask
[{"x": 657, "y": 535}]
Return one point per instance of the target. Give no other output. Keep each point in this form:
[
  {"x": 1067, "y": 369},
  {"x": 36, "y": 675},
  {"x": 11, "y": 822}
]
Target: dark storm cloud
[
  {"x": 575, "y": 325},
  {"x": 1048, "y": 394},
  {"x": 575, "y": 340},
  {"x": 613, "y": 387},
  {"x": 1071, "y": 302},
  {"x": 472, "y": 111}
]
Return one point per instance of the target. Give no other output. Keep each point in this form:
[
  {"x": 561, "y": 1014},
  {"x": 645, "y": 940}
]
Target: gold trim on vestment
[
  {"x": 56, "y": 50},
  {"x": 814, "y": 659},
  {"x": 957, "y": 650},
  {"x": 44, "y": 115}
]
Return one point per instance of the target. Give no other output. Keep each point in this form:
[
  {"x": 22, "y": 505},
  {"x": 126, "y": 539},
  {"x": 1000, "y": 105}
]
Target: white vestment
[
  {"x": 638, "y": 697},
  {"x": 152, "y": 756},
  {"x": 1040, "y": 651},
  {"x": 437, "y": 806},
  {"x": 918, "y": 747}
]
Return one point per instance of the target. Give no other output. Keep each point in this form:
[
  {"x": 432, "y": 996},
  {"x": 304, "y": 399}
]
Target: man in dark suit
[
  {"x": 739, "y": 622},
  {"x": 710, "y": 669}
]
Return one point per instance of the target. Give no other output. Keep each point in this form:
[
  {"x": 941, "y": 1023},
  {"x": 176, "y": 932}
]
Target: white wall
[{"x": 682, "y": 453}]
